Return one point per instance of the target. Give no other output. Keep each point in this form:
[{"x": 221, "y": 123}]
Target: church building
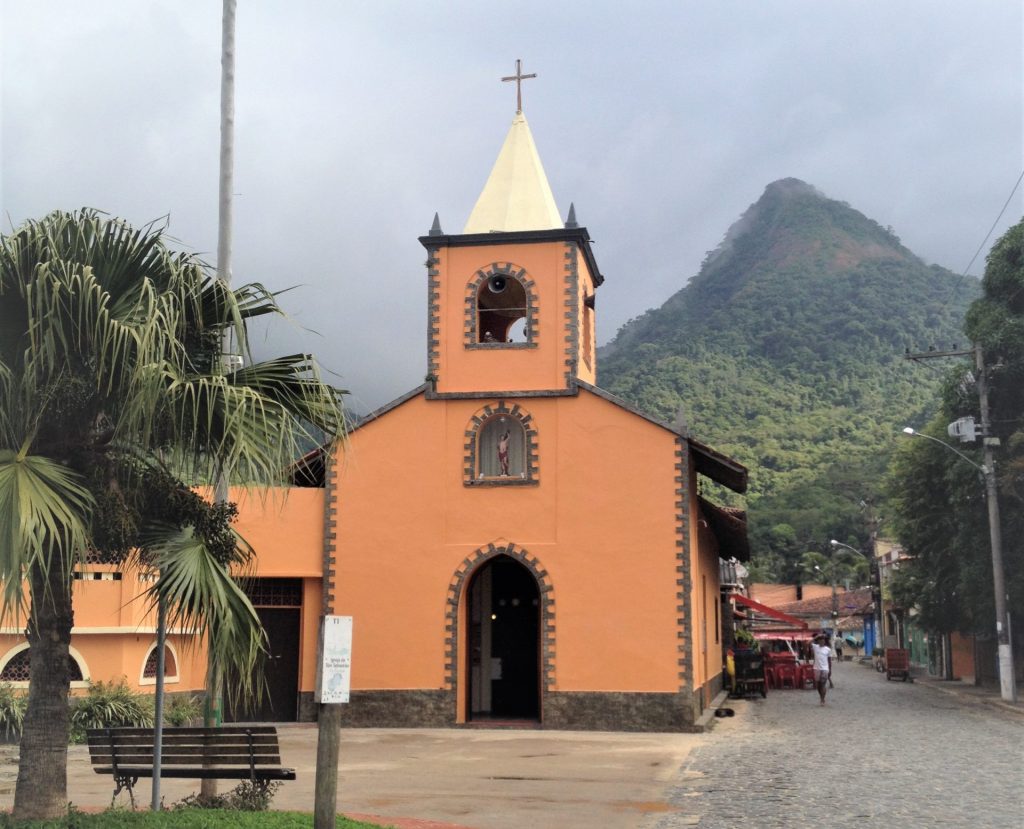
[{"x": 513, "y": 543}]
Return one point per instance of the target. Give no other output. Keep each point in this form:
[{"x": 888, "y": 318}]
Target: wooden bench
[{"x": 227, "y": 753}]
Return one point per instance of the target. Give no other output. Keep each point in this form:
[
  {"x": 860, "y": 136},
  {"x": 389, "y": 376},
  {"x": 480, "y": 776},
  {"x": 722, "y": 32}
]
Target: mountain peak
[{"x": 792, "y": 187}]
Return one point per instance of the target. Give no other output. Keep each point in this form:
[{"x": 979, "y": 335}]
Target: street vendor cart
[
  {"x": 897, "y": 663},
  {"x": 750, "y": 677}
]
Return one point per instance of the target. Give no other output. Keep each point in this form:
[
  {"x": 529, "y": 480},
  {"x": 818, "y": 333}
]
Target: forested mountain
[{"x": 786, "y": 351}]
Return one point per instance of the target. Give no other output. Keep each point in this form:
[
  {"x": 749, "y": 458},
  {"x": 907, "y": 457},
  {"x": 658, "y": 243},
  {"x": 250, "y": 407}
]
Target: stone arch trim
[
  {"x": 510, "y": 271},
  {"x": 472, "y": 434},
  {"x": 456, "y": 591}
]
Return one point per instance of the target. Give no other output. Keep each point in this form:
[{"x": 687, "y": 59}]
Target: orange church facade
[{"x": 514, "y": 544}]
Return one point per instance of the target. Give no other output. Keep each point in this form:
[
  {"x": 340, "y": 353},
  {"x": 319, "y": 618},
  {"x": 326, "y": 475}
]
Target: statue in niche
[{"x": 503, "y": 443}]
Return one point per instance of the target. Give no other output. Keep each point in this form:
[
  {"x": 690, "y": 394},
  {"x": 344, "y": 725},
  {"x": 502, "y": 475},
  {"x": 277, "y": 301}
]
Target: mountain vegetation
[
  {"x": 786, "y": 351},
  {"x": 939, "y": 504}
]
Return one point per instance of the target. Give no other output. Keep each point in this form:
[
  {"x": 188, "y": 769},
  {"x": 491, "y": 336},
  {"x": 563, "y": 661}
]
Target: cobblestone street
[{"x": 878, "y": 754}]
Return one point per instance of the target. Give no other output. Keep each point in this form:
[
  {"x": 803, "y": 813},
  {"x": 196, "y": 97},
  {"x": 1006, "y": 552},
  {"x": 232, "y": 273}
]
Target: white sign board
[{"x": 336, "y": 664}]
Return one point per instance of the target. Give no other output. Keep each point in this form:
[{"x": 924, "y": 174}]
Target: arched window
[
  {"x": 149, "y": 668},
  {"x": 500, "y": 303},
  {"x": 501, "y": 446},
  {"x": 17, "y": 668},
  {"x": 501, "y": 307}
]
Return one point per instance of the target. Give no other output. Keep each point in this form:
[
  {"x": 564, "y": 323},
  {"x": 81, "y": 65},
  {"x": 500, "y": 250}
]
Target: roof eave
[{"x": 579, "y": 235}]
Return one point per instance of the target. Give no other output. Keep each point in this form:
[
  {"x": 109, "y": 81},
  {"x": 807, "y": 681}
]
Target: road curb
[
  {"x": 972, "y": 699},
  {"x": 706, "y": 721}
]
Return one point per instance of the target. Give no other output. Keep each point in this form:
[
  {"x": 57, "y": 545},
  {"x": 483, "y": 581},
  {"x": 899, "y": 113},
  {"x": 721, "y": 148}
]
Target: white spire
[{"x": 517, "y": 195}]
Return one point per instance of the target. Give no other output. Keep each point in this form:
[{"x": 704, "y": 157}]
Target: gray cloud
[{"x": 662, "y": 121}]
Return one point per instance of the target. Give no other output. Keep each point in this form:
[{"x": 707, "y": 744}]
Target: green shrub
[
  {"x": 245, "y": 797},
  {"x": 745, "y": 639},
  {"x": 182, "y": 709},
  {"x": 12, "y": 711},
  {"x": 110, "y": 705}
]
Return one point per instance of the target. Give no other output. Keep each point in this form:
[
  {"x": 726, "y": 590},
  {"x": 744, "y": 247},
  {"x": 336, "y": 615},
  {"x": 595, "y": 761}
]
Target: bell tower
[{"x": 511, "y": 298}]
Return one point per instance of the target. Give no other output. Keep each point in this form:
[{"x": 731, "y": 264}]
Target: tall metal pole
[
  {"x": 214, "y": 714},
  {"x": 1007, "y": 679},
  {"x": 158, "y": 706}
]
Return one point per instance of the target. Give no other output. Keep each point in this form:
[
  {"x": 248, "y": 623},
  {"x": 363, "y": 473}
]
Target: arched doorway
[{"x": 503, "y": 643}]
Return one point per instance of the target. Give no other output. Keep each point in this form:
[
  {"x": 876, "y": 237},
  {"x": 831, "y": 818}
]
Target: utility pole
[{"x": 1007, "y": 678}]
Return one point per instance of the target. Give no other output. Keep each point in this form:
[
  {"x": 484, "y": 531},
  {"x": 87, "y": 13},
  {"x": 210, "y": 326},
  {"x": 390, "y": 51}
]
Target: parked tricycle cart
[
  {"x": 750, "y": 677},
  {"x": 897, "y": 663}
]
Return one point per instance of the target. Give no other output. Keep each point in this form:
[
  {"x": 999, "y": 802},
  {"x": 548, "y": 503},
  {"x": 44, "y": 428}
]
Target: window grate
[
  {"x": 19, "y": 668},
  {"x": 274, "y": 592}
]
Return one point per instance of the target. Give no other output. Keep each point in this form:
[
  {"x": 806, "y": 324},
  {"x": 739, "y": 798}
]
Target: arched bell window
[
  {"x": 500, "y": 303},
  {"x": 502, "y": 447},
  {"x": 501, "y": 308}
]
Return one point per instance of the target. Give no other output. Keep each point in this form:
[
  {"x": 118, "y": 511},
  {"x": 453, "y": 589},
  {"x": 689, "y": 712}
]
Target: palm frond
[
  {"x": 253, "y": 419},
  {"x": 44, "y": 520},
  {"x": 202, "y": 597}
]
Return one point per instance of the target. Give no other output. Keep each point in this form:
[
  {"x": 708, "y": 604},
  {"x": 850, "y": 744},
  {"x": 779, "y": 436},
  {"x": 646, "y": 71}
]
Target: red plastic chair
[
  {"x": 787, "y": 674},
  {"x": 806, "y": 676}
]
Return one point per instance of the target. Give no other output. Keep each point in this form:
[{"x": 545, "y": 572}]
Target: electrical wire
[{"x": 984, "y": 241}]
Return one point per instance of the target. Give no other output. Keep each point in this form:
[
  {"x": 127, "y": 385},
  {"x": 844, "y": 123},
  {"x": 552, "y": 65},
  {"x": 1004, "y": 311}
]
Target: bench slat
[
  {"x": 212, "y": 732},
  {"x": 199, "y": 773},
  {"x": 210, "y": 758},
  {"x": 187, "y": 748},
  {"x": 177, "y": 739}
]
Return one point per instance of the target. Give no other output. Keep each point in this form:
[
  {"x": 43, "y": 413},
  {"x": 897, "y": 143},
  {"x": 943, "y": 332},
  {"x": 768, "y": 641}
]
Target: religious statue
[{"x": 503, "y": 451}]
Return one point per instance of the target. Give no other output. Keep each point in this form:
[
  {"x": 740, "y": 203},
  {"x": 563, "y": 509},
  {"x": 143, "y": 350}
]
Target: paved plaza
[{"x": 879, "y": 754}]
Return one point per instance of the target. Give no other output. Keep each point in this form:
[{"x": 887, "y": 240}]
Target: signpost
[{"x": 334, "y": 670}]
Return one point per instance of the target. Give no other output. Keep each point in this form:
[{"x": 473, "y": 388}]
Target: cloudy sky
[{"x": 356, "y": 121}]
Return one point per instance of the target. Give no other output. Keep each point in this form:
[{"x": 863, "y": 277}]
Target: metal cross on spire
[{"x": 519, "y": 77}]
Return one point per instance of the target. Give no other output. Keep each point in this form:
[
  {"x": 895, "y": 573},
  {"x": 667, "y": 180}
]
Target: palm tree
[{"x": 114, "y": 399}]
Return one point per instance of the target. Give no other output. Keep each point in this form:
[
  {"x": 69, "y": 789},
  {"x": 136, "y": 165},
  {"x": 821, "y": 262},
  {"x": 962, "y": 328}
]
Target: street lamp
[
  {"x": 835, "y": 595},
  {"x": 873, "y": 573},
  {"x": 1007, "y": 679},
  {"x": 915, "y": 434}
]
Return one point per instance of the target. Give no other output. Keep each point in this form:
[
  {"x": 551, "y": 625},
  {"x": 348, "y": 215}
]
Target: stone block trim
[
  {"x": 563, "y": 710},
  {"x": 433, "y": 315},
  {"x": 330, "y": 558},
  {"x": 458, "y": 584},
  {"x": 471, "y": 334},
  {"x": 684, "y": 578},
  {"x": 417, "y": 708},
  {"x": 525, "y": 419},
  {"x": 571, "y": 313},
  {"x": 619, "y": 711}
]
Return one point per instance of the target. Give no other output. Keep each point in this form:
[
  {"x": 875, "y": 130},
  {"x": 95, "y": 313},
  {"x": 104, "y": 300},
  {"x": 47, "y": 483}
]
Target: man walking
[{"x": 822, "y": 664}]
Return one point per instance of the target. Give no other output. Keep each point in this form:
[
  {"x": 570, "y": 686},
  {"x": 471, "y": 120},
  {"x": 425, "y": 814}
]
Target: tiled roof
[{"x": 850, "y": 603}]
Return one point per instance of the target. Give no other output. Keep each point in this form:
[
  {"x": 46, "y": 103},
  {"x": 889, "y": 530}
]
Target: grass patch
[{"x": 181, "y": 819}]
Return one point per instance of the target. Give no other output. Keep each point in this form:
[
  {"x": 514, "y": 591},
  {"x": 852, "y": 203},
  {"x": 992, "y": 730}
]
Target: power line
[{"x": 988, "y": 235}]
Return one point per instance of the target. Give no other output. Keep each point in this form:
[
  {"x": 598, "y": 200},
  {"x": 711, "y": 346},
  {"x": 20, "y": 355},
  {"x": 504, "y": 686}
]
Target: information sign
[{"x": 336, "y": 664}]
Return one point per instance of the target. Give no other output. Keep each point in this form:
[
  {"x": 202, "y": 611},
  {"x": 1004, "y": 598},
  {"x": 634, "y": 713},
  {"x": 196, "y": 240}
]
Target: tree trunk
[{"x": 42, "y": 786}]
